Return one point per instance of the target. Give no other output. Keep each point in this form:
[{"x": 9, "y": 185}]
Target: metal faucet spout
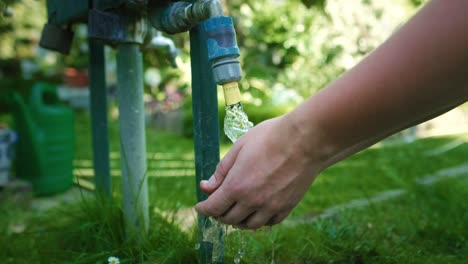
[{"x": 159, "y": 41}]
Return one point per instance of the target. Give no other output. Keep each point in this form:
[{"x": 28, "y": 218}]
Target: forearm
[{"x": 419, "y": 73}]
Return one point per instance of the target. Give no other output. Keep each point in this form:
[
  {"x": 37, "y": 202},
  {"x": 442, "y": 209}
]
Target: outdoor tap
[
  {"x": 159, "y": 41},
  {"x": 223, "y": 51},
  {"x": 180, "y": 17}
]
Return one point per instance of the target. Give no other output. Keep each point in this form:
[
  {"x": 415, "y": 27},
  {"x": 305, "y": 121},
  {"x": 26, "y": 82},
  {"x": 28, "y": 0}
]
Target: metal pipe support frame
[
  {"x": 132, "y": 126},
  {"x": 132, "y": 139}
]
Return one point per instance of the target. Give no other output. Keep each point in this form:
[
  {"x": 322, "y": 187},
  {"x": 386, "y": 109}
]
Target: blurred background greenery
[{"x": 290, "y": 49}]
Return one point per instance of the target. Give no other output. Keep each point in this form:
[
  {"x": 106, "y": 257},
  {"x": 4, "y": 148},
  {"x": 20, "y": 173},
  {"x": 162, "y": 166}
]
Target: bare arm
[{"x": 419, "y": 73}]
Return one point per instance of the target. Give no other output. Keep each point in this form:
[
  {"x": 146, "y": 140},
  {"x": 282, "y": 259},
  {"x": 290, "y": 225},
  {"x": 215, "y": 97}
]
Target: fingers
[
  {"x": 260, "y": 219},
  {"x": 216, "y": 205},
  {"x": 221, "y": 171},
  {"x": 256, "y": 220},
  {"x": 278, "y": 218},
  {"x": 236, "y": 215}
]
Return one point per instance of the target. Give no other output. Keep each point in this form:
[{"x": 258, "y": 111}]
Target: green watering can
[{"x": 44, "y": 151}]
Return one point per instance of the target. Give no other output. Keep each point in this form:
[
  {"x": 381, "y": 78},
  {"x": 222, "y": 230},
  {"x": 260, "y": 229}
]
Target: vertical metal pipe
[
  {"x": 132, "y": 138},
  {"x": 98, "y": 102},
  {"x": 205, "y": 124}
]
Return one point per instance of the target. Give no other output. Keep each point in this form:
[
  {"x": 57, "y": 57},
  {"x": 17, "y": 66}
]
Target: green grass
[
  {"x": 374, "y": 170},
  {"x": 89, "y": 232},
  {"x": 426, "y": 226}
]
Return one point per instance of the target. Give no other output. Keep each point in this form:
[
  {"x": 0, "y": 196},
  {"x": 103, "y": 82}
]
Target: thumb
[{"x": 213, "y": 183}]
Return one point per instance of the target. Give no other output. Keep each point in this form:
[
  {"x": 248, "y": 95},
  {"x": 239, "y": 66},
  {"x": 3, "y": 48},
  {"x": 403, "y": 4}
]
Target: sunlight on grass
[
  {"x": 379, "y": 169},
  {"x": 427, "y": 225}
]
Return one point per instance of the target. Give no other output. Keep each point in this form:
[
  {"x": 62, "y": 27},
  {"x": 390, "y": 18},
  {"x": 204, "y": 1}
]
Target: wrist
[{"x": 310, "y": 137}]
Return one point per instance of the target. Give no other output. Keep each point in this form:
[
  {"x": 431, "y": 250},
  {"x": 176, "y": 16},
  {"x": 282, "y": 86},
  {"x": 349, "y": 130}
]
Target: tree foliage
[
  {"x": 303, "y": 45},
  {"x": 21, "y": 24},
  {"x": 298, "y": 45}
]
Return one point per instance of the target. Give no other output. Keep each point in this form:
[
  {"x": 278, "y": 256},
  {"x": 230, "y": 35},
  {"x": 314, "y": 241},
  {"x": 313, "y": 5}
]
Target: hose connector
[
  {"x": 223, "y": 50},
  {"x": 232, "y": 94},
  {"x": 223, "y": 54}
]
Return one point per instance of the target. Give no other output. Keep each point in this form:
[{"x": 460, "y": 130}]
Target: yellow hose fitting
[{"x": 231, "y": 93}]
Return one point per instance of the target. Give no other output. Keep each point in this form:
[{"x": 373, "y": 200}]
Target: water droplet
[
  {"x": 236, "y": 122},
  {"x": 213, "y": 233},
  {"x": 241, "y": 251}
]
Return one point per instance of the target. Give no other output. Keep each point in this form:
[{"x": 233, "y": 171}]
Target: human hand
[{"x": 262, "y": 178}]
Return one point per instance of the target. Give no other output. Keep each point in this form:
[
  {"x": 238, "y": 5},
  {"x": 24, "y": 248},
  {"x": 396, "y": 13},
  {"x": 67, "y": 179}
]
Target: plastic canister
[{"x": 7, "y": 139}]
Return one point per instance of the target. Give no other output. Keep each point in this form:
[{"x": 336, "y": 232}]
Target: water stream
[
  {"x": 241, "y": 251},
  {"x": 236, "y": 124}
]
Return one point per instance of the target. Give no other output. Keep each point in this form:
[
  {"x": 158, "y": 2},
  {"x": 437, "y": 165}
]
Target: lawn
[{"x": 426, "y": 225}]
